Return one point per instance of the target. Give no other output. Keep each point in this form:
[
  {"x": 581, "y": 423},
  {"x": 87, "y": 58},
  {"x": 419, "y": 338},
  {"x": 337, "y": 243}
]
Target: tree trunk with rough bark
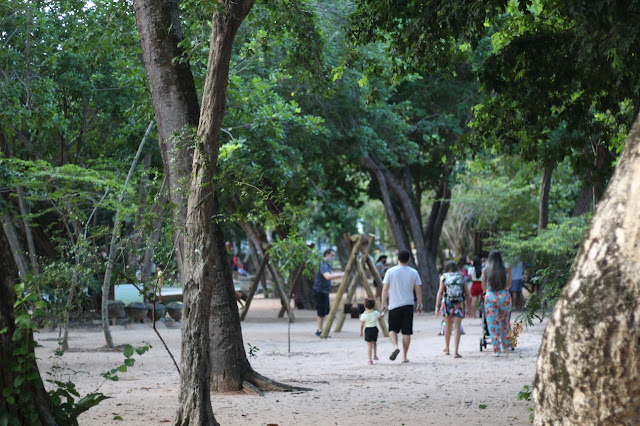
[
  {"x": 396, "y": 195},
  {"x": 175, "y": 102},
  {"x": 39, "y": 402},
  {"x": 588, "y": 371},
  {"x": 213, "y": 353}
]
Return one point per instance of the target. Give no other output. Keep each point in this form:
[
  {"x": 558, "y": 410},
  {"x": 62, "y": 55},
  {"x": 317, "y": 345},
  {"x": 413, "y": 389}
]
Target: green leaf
[
  {"x": 128, "y": 351},
  {"x": 129, "y": 362},
  {"x": 90, "y": 400},
  {"x": 141, "y": 350},
  {"x": 482, "y": 406},
  {"x": 122, "y": 368},
  {"x": 18, "y": 381}
]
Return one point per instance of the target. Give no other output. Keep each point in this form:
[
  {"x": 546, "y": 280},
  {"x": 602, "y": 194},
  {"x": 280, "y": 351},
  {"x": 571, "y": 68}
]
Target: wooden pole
[
  {"x": 374, "y": 271},
  {"x": 343, "y": 286},
  {"x": 254, "y": 286},
  {"x": 254, "y": 257},
  {"x": 354, "y": 283},
  {"x": 341, "y": 313},
  {"x": 283, "y": 297}
]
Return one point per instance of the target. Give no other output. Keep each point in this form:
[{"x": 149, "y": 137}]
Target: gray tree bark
[
  {"x": 588, "y": 371},
  {"x": 212, "y": 346},
  {"x": 175, "y": 101}
]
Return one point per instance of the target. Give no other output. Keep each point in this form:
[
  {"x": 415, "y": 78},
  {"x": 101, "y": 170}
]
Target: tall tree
[
  {"x": 587, "y": 370},
  {"x": 30, "y": 403},
  {"x": 213, "y": 354}
]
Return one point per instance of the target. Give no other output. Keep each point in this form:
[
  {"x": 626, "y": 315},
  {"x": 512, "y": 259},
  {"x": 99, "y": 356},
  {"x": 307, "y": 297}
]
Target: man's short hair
[
  {"x": 327, "y": 252},
  {"x": 404, "y": 256}
]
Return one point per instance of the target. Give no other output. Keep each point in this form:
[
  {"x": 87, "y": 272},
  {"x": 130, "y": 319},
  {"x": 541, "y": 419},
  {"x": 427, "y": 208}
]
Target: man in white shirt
[{"x": 399, "y": 284}]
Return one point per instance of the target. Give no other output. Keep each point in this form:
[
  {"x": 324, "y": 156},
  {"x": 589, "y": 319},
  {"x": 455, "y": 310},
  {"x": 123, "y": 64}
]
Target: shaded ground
[{"x": 431, "y": 389}]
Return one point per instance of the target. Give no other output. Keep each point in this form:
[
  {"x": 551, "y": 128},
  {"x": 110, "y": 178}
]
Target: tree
[
  {"x": 211, "y": 357},
  {"x": 30, "y": 403},
  {"x": 587, "y": 371}
]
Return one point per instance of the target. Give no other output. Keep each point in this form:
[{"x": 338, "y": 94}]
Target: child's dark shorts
[{"x": 371, "y": 334}]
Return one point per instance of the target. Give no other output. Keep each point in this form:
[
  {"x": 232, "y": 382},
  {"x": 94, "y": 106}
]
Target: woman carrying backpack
[
  {"x": 496, "y": 280},
  {"x": 453, "y": 287}
]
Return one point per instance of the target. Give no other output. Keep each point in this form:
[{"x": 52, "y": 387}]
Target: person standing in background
[
  {"x": 516, "y": 286},
  {"x": 322, "y": 285}
]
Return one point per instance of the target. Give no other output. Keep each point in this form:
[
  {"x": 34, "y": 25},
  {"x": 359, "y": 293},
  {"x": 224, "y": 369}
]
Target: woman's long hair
[
  {"x": 495, "y": 274},
  {"x": 477, "y": 266}
]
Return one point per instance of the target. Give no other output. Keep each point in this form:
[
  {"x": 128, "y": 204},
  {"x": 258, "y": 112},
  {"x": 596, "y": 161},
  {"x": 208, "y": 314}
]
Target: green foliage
[
  {"x": 549, "y": 257},
  {"x": 293, "y": 252},
  {"x": 128, "y": 352},
  {"x": 253, "y": 351},
  {"x": 555, "y": 246},
  {"x": 66, "y": 402},
  {"x": 525, "y": 395}
]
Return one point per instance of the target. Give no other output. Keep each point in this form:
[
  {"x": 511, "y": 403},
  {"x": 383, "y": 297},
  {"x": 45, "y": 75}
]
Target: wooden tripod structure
[
  {"x": 284, "y": 299},
  {"x": 359, "y": 246}
]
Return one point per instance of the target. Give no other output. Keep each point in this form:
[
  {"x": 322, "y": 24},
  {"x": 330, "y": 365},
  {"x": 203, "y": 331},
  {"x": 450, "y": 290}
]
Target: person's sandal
[
  {"x": 394, "y": 355},
  {"x": 457, "y": 356}
]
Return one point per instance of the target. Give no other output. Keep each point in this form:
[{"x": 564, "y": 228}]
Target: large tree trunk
[
  {"x": 39, "y": 402},
  {"x": 175, "y": 101},
  {"x": 425, "y": 241},
  {"x": 212, "y": 345},
  {"x": 588, "y": 368},
  {"x": 399, "y": 236}
]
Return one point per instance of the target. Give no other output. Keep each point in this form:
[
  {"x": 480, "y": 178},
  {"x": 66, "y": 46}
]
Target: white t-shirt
[
  {"x": 369, "y": 318},
  {"x": 474, "y": 276},
  {"x": 401, "y": 279}
]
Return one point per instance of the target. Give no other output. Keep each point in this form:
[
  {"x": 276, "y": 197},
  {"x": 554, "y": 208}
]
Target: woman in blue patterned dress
[{"x": 496, "y": 280}]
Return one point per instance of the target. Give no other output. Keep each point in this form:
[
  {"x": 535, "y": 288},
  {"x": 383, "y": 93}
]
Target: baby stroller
[{"x": 485, "y": 339}]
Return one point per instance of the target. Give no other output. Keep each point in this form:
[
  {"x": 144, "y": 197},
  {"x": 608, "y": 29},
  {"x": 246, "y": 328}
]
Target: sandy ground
[{"x": 431, "y": 389}]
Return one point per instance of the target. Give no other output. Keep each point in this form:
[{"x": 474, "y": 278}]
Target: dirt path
[{"x": 431, "y": 389}]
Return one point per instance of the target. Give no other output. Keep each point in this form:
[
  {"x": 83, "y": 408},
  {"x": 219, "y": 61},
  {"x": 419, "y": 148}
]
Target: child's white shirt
[{"x": 370, "y": 318}]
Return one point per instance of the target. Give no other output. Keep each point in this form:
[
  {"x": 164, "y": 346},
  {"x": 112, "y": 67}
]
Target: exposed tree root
[
  {"x": 251, "y": 388},
  {"x": 265, "y": 384}
]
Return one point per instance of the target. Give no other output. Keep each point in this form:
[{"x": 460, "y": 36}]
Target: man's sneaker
[{"x": 318, "y": 333}]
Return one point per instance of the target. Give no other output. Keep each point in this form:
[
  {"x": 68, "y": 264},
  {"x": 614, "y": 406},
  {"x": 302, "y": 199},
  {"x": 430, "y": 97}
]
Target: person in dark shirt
[{"x": 322, "y": 284}]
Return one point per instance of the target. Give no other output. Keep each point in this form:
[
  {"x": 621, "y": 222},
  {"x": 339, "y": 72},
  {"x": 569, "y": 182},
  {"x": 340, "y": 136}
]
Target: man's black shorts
[
  {"x": 401, "y": 319},
  {"x": 371, "y": 334},
  {"x": 322, "y": 303}
]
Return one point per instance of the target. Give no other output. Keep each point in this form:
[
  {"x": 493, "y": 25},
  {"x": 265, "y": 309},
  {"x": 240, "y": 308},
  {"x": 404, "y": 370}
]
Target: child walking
[{"x": 368, "y": 321}]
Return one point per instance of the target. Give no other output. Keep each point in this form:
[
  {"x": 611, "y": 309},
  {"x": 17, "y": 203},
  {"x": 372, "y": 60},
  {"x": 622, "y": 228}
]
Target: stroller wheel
[{"x": 481, "y": 344}]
